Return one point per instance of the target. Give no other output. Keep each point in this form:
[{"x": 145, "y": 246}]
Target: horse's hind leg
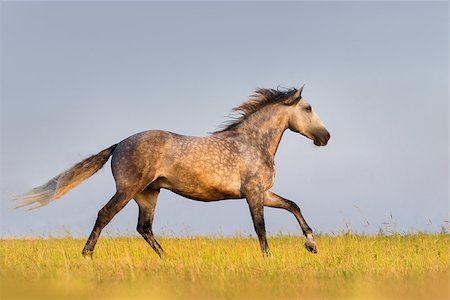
[
  {"x": 146, "y": 201},
  {"x": 117, "y": 202}
]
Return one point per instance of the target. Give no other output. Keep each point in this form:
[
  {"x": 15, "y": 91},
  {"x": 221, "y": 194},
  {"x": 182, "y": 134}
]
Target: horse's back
[{"x": 203, "y": 168}]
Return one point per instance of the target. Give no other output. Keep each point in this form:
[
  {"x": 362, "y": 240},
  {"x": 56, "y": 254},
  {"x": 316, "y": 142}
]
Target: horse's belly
[
  {"x": 209, "y": 188},
  {"x": 204, "y": 169}
]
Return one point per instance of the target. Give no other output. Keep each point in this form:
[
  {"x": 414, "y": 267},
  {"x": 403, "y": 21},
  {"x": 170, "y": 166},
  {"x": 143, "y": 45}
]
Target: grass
[{"x": 346, "y": 267}]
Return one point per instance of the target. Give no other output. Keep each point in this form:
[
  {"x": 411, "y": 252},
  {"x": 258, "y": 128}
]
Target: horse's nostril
[{"x": 328, "y": 136}]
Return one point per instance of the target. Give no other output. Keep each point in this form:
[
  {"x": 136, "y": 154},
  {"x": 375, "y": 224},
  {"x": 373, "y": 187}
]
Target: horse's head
[{"x": 304, "y": 120}]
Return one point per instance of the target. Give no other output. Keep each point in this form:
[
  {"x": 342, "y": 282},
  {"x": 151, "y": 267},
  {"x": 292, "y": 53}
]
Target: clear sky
[{"x": 78, "y": 77}]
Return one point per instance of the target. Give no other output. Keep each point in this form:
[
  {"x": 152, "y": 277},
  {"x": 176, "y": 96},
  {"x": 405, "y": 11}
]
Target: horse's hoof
[
  {"x": 267, "y": 254},
  {"x": 87, "y": 253},
  {"x": 311, "y": 246}
]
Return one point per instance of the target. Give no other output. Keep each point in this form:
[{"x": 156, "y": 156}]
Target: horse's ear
[
  {"x": 300, "y": 90},
  {"x": 298, "y": 95}
]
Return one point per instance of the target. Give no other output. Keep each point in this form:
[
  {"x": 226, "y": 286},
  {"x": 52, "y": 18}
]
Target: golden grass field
[{"x": 347, "y": 267}]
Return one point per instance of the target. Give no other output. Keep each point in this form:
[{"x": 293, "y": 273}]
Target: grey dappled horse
[{"x": 233, "y": 163}]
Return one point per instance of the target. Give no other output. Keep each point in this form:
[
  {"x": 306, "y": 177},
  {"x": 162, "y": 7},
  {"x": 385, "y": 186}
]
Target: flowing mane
[{"x": 261, "y": 98}]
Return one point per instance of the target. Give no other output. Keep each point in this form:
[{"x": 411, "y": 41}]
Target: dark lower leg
[
  {"x": 146, "y": 201},
  {"x": 147, "y": 234},
  {"x": 256, "y": 210},
  {"x": 273, "y": 200},
  {"x": 117, "y": 202}
]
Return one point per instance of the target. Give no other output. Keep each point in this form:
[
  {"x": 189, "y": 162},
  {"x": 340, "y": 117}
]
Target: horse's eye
[{"x": 308, "y": 108}]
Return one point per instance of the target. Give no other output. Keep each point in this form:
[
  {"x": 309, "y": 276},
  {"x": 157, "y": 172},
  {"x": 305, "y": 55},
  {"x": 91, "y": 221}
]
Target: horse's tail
[{"x": 64, "y": 182}]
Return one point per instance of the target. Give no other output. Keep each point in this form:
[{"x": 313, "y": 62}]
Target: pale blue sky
[{"x": 78, "y": 77}]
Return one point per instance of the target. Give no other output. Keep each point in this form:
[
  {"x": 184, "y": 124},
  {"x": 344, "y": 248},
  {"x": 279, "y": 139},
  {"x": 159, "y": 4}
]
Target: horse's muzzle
[{"x": 322, "y": 137}]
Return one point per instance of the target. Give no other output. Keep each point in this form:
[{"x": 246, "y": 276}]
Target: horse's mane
[{"x": 261, "y": 98}]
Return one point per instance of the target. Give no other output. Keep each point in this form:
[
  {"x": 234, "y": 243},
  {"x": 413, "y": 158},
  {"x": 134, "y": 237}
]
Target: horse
[{"x": 234, "y": 162}]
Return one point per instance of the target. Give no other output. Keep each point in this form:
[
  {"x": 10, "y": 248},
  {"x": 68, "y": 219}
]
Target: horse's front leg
[
  {"x": 273, "y": 200},
  {"x": 255, "y": 200}
]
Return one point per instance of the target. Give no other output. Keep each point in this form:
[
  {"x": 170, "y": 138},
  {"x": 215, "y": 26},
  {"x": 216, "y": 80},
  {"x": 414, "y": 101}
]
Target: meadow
[{"x": 348, "y": 266}]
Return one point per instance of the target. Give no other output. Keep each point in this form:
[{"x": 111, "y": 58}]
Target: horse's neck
[{"x": 265, "y": 128}]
